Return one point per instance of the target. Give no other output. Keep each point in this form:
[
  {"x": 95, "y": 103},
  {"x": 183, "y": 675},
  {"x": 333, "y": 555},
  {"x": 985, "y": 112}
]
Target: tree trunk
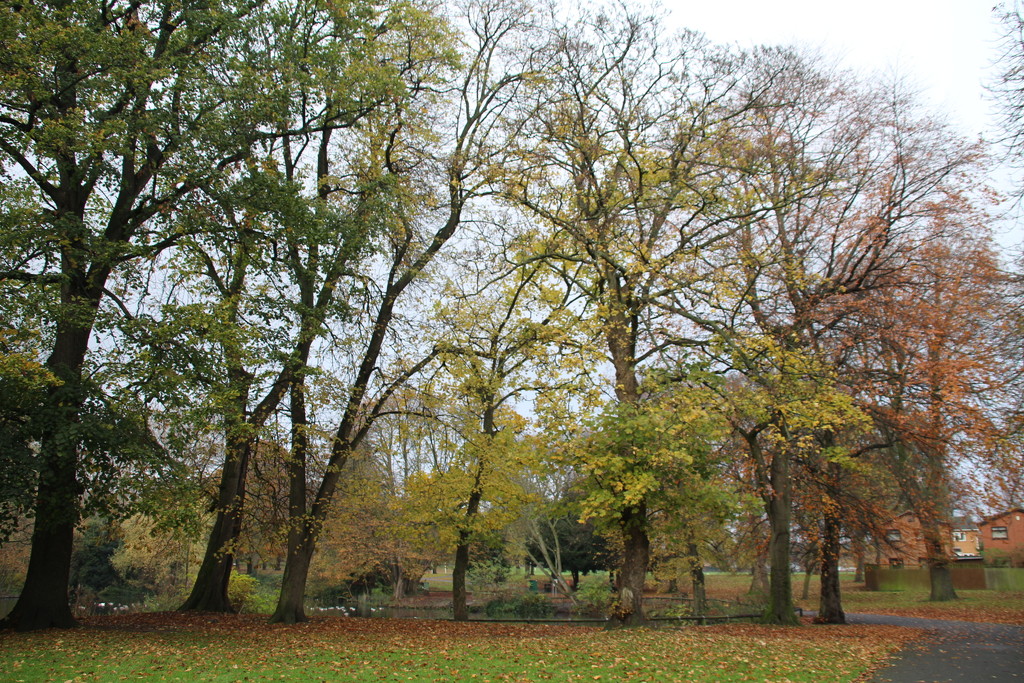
[
  {"x": 759, "y": 575},
  {"x": 780, "y": 588},
  {"x": 460, "y": 608},
  {"x": 291, "y": 608},
  {"x": 808, "y": 571},
  {"x": 43, "y": 602},
  {"x": 858, "y": 557},
  {"x": 941, "y": 579},
  {"x": 830, "y": 605},
  {"x": 700, "y": 602},
  {"x": 210, "y": 590},
  {"x": 398, "y": 581},
  {"x": 302, "y": 528},
  {"x": 939, "y": 574},
  {"x": 633, "y": 574}
]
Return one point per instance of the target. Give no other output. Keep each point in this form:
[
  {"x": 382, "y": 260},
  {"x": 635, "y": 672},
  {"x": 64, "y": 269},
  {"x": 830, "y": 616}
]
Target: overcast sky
[{"x": 946, "y": 48}]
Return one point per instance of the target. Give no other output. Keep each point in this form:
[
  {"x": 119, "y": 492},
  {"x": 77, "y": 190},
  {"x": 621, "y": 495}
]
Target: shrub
[
  {"x": 996, "y": 557},
  {"x": 488, "y": 577},
  {"x": 249, "y": 596},
  {"x": 524, "y": 606},
  {"x": 594, "y": 595},
  {"x": 167, "y": 601}
]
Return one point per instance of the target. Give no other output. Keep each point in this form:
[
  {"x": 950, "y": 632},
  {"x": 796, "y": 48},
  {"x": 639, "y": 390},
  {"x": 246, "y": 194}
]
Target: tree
[
  {"x": 934, "y": 380},
  {"x": 408, "y": 442},
  {"x": 796, "y": 279},
  {"x": 650, "y": 455},
  {"x": 298, "y": 223},
  {"x": 155, "y": 559},
  {"x": 626, "y": 161},
  {"x": 433, "y": 176},
  {"x": 1008, "y": 89},
  {"x": 549, "y": 532},
  {"x": 854, "y": 202},
  {"x": 111, "y": 114}
]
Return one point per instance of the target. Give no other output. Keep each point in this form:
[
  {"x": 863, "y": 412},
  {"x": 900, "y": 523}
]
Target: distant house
[
  {"x": 966, "y": 539},
  {"x": 903, "y": 544},
  {"x": 1004, "y": 534}
]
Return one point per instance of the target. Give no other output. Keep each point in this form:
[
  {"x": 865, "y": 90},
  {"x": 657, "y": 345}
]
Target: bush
[
  {"x": 526, "y": 606},
  {"x": 165, "y": 601},
  {"x": 488, "y": 577},
  {"x": 249, "y": 596},
  {"x": 594, "y": 595},
  {"x": 996, "y": 557}
]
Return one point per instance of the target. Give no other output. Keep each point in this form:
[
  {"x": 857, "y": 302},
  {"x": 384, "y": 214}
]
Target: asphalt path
[{"x": 953, "y": 651}]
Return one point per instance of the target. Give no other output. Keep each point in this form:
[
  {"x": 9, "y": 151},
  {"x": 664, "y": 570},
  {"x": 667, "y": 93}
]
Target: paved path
[{"x": 958, "y": 651}]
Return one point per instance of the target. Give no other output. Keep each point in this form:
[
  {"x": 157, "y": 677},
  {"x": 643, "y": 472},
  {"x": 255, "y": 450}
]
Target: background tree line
[{"x": 385, "y": 280}]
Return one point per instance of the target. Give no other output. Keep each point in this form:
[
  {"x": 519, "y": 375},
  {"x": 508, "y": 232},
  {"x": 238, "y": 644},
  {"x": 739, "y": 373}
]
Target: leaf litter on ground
[{"x": 218, "y": 647}]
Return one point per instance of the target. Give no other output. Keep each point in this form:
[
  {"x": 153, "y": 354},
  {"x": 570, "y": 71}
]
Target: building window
[
  {"x": 960, "y": 536},
  {"x": 999, "y": 532},
  {"x": 895, "y": 563},
  {"x": 894, "y": 535}
]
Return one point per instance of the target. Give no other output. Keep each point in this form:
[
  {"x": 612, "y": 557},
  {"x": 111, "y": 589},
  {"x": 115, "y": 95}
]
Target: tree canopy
[{"x": 386, "y": 280}]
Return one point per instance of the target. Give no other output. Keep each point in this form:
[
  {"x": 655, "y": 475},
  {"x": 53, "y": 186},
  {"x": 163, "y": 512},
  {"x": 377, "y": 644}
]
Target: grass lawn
[
  {"x": 177, "y": 647},
  {"x": 973, "y": 605},
  {"x": 174, "y": 647}
]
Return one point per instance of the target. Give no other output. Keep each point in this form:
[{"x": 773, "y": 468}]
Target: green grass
[
  {"x": 1003, "y": 606},
  {"x": 974, "y": 605},
  {"x": 436, "y": 651}
]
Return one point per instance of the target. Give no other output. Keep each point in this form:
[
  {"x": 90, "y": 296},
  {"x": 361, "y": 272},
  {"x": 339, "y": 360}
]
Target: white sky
[{"x": 945, "y": 48}]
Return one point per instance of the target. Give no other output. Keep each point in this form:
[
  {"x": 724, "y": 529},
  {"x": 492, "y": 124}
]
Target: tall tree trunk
[
  {"x": 940, "y": 575},
  {"x": 830, "y": 605},
  {"x": 460, "y": 606},
  {"x": 780, "y": 590},
  {"x": 633, "y": 573},
  {"x": 291, "y": 600},
  {"x": 700, "y": 601},
  {"x": 620, "y": 335},
  {"x": 302, "y": 530},
  {"x": 210, "y": 590},
  {"x": 43, "y": 602}
]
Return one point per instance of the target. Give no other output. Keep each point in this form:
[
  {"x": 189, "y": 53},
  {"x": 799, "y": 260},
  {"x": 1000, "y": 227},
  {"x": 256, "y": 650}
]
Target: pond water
[
  {"x": 357, "y": 609},
  {"x": 364, "y": 610}
]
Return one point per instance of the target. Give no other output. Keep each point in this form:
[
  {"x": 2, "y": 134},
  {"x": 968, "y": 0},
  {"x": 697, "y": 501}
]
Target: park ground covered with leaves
[
  {"x": 983, "y": 606},
  {"x": 207, "y": 647}
]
